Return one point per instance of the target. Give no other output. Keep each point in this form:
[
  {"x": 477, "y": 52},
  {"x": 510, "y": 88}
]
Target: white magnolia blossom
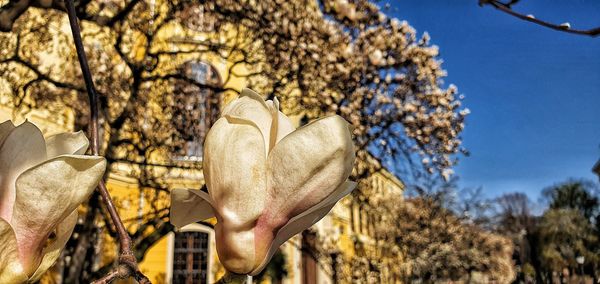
[
  {"x": 42, "y": 182},
  {"x": 267, "y": 181}
]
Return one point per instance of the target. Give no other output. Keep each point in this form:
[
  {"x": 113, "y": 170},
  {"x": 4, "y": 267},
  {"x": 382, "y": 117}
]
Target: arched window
[
  {"x": 189, "y": 259},
  {"x": 197, "y": 107}
]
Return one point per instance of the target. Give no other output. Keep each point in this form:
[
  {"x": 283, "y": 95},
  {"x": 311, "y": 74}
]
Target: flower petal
[
  {"x": 11, "y": 270},
  {"x": 235, "y": 174},
  {"x": 5, "y": 129},
  {"x": 23, "y": 148},
  {"x": 304, "y": 221},
  {"x": 66, "y": 144},
  {"x": 308, "y": 165},
  {"x": 53, "y": 250},
  {"x": 252, "y": 107},
  {"x": 281, "y": 125},
  {"x": 46, "y": 195},
  {"x": 190, "y": 206},
  {"x": 234, "y": 170}
]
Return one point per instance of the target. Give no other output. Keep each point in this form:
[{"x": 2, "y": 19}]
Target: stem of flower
[
  {"x": 128, "y": 266},
  {"x": 232, "y": 278}
]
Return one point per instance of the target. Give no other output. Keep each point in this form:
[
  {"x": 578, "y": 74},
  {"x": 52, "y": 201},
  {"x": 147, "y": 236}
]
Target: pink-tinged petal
[
  {"x": 11, "y": 270},
  {"x": 190, "y": 206},
  {"x": 66, "y": 144},
  {"x": 46, "y": 195},
  {"x": 235, "y": 174},
  {"x": 302, "y": 222},
  {"x": 23, "y": 148},
  {"x": 5, "y": 129},
  {"x": 55, "y": 246},
  {"x": 308, "y": 165},
  {"x": 252, "y": 107}
]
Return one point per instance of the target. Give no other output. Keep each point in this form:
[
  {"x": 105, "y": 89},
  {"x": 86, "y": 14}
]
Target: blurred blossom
[
  {"x": 43, "y": 182},
  {"x": 447, "y": 173},
  {"x": 266, "y": 180},
  {"x": 376, "y": 57}
]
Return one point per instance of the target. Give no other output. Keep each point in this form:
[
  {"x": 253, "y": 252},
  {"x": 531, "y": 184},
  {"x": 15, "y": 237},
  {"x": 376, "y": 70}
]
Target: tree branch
[
  {"x": 564, "y": 27},
  {"x": 128, "y": 263}
]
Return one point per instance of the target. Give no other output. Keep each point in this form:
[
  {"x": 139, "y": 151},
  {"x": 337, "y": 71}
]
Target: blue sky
[{"x": 534, "y": 93}]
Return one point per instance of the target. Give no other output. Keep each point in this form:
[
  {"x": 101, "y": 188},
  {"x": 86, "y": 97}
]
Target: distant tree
[
  {"x": 514, "y": 219},
  {"x": 578, "y": 195},
  {"x": 440, "y": 246},
  {"x": 564, "y": 234},
  {"x": 513, "y": 213}
]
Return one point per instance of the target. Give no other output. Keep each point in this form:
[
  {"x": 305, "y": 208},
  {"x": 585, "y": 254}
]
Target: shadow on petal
[{"x": 53, "y": 250}]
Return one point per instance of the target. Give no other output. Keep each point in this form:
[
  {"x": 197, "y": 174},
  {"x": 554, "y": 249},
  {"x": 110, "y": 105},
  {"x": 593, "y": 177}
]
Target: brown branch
[
  {"x": 122, "y": 14},
  {"x": 530, "y": 18},
  {"x": 10, "y": 12},
  {"x": 41, "y": 76},
  {"x": 127, "y": 262}
]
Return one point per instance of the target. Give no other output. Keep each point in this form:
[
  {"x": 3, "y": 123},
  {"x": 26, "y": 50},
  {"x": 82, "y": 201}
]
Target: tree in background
[
  {"x": 578, "y": 195},
  {"x": 569, "y": 228},
  {"x": 513, "y": 218},
  {"x": 564, "y": 235},
  {"x": 549, "y": 244},
  {"x": 319, "y": 57},
  {"x": 440, "y": 246}
]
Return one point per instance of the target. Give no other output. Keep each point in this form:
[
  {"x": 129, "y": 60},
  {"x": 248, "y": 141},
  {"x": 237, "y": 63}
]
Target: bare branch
[
  {"x": 564, "y": 27},
  {"x": 127, "y": 261}
]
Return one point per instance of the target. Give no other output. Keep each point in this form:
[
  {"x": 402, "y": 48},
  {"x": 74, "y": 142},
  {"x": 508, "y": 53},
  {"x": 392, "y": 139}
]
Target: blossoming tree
[{"x": 319, "y": 57}]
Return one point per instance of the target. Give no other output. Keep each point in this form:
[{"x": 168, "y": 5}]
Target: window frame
[{"x": 195, "y": 227}]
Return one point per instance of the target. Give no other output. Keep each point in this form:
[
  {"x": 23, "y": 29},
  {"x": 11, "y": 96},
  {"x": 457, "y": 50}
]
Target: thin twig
[
  {"x": 128, "y": 266},
  {"x": 530, "y": 18}
]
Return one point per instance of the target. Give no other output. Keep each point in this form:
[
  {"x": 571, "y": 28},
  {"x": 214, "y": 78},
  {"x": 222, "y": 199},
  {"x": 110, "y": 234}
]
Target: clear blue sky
[{"x": 534, "y": 93}]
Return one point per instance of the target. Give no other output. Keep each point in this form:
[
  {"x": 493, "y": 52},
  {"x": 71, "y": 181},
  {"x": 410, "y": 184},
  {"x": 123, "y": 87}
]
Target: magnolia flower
[
  {"x": 42, "y": 182},
  {"x": 267, "y": 181}
]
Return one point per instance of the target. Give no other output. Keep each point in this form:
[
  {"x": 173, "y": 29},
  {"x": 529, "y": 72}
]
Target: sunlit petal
[
  {"x": 46, "y": 195},
  {"x": 308, "y": 165},
  {"x": 23, "y": 148},
  {"x": 190, "y": 206},
  {"x": 281, "y": 126},
  {"x": 66, "y": 144},
  {"x": 234, "y": 170},
  {"x": 252, "y": 107}
]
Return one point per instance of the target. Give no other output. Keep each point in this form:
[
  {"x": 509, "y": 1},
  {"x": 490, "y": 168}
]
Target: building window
[
  {"x": 197, "y": 107},
  {"x": 190, "y": 258},
  {"x": 190, "y": 255}
]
